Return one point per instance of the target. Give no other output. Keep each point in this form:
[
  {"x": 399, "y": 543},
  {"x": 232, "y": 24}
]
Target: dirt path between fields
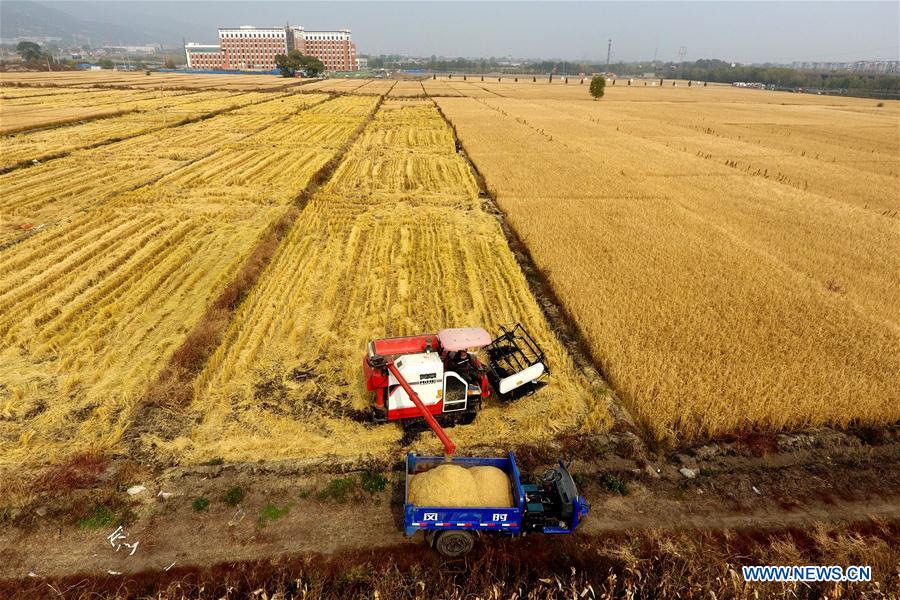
[
  {"x": 233, "y": 535},
  {"x": 285, "y": 510}
]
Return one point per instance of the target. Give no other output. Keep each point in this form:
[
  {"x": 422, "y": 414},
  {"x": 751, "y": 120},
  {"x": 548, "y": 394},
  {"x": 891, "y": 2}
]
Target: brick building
[
  {"x": 249, "y": 48},
  {"x": 204, "y": 56},
  {"x": 335, "y": 49}
]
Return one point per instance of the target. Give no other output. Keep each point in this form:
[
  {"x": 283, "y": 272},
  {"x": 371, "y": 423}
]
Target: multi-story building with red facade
[
  {"x": 335, "y": 49},
  {"x": 249, "y": 48},
  {"x": 204, "y": 56}
]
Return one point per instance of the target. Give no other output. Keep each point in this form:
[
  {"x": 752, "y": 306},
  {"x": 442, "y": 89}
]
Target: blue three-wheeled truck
[{"x": 550, "y": 504}]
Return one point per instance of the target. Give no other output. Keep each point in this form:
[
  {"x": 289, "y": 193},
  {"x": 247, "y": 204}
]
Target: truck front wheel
[{"x": 454, "y": 543}]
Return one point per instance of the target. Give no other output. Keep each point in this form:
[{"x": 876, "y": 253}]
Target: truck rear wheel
[{"x": 454, "y": 543}]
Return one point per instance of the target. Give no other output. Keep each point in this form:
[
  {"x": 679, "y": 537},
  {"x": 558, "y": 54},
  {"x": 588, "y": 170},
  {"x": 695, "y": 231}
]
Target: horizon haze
[{"x": 746, "y": 32}]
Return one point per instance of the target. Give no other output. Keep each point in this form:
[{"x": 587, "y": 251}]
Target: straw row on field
[
  {"x": 141, "y": 80},
  {"x": 164, "y": 110},
  {"x": 43, "y": 194}
]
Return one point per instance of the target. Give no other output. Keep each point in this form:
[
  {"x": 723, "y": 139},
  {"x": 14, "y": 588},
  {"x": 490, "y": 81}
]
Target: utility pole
[{"x": 608, "y": 51}]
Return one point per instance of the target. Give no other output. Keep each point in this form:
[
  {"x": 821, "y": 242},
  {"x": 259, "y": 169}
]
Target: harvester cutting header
[{"x": 439, "y": 378}]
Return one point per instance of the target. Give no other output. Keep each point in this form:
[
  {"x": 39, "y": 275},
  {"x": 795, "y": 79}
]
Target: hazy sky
[{"x": 738, "y": 31}]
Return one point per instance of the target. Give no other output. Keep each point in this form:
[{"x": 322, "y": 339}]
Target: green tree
[
  {"x": 105, "y": 63},
  {"x": 598, "y": 85},
  {"x": 29, "y": 51},
  {"x": 295, "y": 61},
  {"x": 287, "y": 64},
  {"x": 311, "y": 65}
]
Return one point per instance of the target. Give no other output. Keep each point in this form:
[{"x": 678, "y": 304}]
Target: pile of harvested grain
[
  {"x": 493, "y": 485},
  {"x": 452, "y": 485}
]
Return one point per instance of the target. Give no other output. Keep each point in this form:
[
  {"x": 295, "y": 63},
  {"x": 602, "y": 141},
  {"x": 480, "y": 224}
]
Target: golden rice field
[
  {"x": 730, "y": 256},
  {"x": 407, "y": 88},
  {"x": 95, "y": 304},
  {"x": 64, "y": 106},
  {"x": 396, "y": 243}
]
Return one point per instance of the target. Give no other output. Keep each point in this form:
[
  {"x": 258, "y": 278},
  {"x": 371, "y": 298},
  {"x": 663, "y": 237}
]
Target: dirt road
[{"x": 285, "y": 514}]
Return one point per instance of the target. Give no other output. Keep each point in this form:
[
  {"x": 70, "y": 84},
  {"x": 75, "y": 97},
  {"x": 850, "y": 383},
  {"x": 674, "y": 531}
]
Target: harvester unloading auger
[{"x": 438, "y": 377}]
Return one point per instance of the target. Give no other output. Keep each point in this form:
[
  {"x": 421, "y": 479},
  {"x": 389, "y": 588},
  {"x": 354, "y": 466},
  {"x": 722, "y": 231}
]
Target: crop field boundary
[
  {"x": 356, "y": 91},
  {"x": 561, "y": 321},
  {"x": 24, "y": 164},
  {"x": 153, "y": 180},
  {"x": 841, "y": 493},
  {"x": 173, "y": 388}
]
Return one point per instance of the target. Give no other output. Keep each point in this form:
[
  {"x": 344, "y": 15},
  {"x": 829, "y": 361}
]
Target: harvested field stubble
[
  {"x": 167, "y": 110},
  {"x": 139, "y": 80},
  {"x": 90, "y": 313},
  {"x": 372, "y": 256},
  {"x": 715, "y": 301},
  {"x": 48, "y": 192}
]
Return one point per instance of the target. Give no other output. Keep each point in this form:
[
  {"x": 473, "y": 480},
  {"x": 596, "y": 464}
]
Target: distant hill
[{"x": 96, "y": 23}]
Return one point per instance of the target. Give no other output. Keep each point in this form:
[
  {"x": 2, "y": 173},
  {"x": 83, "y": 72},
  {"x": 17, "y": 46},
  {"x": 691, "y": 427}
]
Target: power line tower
[
  {"x": 608, "y": 52},
  {"x": 682, "y": 52}
]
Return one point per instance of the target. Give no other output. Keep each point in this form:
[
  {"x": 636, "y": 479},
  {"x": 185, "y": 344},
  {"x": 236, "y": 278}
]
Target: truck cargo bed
[{"x": 502, "y": 519}]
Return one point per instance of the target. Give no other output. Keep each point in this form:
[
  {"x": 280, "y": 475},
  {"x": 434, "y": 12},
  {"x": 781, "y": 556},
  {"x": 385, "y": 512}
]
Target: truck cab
[{"x": 552, "y": 504}]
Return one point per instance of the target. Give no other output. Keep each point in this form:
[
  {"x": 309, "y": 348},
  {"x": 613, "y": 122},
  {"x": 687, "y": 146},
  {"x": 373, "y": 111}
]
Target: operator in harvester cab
[{"x": 461, "y": 362}]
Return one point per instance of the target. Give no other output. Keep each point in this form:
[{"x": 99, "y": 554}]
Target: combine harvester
[{"x": 436, "y": 378}]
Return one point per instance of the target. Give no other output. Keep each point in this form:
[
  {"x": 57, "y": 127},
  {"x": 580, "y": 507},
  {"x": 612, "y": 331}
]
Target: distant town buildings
[
  {"x": 860, "y": 66},
  {"x": 249, "y": 48}
]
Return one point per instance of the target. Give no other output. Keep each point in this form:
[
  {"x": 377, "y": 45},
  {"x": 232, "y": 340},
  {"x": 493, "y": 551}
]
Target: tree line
[
  {"x": 712, "y": 70},
  {"x": 722, "y": 72}
]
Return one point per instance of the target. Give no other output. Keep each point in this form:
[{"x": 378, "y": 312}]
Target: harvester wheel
[{"x": 454, "y": 543}]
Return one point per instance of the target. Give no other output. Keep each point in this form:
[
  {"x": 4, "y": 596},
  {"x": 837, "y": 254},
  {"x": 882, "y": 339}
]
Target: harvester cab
[{"x": 440, "y": 378}]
